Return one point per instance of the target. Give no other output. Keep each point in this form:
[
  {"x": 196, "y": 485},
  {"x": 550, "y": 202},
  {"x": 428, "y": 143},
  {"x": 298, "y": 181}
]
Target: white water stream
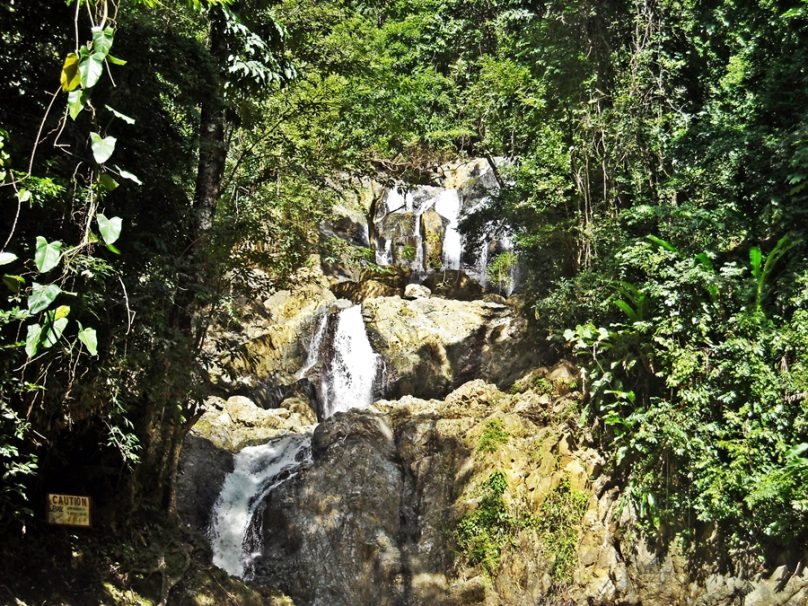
[
  {"x": 447, "y": 205},
  {"x": 257, "y": 470},
  {"x": 348, "y": 379},
  {"x": 347, "y": 382}
]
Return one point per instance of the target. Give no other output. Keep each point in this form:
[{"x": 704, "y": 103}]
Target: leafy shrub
[
  {"x": 559, "y": 524},
  {"x": 482, "y": 534},
  {"x": 493, "y": 435},
  {"x": 703, "y": 394}
]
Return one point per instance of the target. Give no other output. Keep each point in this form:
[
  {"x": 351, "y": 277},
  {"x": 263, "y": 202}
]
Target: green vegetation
[
  {"x": 559, "y": 525},
  {"x": 482, "y": 534},
  {"x": 493, "y": 436},
  {"x": 500, "y": 270},
  {"x": 657, "y": 193}
]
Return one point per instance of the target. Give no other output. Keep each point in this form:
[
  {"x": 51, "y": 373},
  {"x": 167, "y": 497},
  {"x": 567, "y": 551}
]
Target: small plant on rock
[{"x": 493, "y": 435}]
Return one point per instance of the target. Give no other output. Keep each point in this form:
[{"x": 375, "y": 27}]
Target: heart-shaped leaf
[
  {"x": 7, "y": 257},
  {"x": 102, "y": 147},
  {"x": 110, "y": 228},
  {"x": 32, "y": 339},
  {"x": 90, "y": 69},
  {"x": 75, "y": 103},
  {"x": 102, "y": 40},
  {"x": 90, "y": 340},
  {"x": 42, "y": 296},
  {"x": 70, "y": 78},
  {"x": 47, "y": 254}
]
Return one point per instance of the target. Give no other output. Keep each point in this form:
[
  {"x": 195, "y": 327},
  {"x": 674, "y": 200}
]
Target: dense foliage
[{"x": 656, "y": 191}]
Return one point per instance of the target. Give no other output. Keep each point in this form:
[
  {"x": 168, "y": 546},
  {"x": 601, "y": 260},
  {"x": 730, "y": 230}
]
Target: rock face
[
  {"x": 433, "y": 345},
  {"x": 203, "y": 468},
  {"x": 432, "y": 232},
  {"x": 453, "y": 284},
  {"x": 397, "y": 508},
  {"x": 266, "y": 347}
]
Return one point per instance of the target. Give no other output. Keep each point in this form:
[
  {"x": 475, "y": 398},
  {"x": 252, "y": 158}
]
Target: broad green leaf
[
  {"x": 47, "y": 254},
  {"x": 107, "y": 182},
  {"x": 102, "y": 40},
  {"x": 75, "y": 103},
  {"x": 115, "y": 60},
  {"x": 53, "y": 331},
  {"x": 121, "y": 116},
  {"x": 705, "y": 261},
  {"x": 662, "y": 243},
  {"x": 23, "y": 195},
  {"x": 124, "y": 174},
  {"x": 70, "y": 78},
  {"x": 90, "y": 340},
  {"x": 7, "y": 257},
  {"x": 42, "y": 296},
  {"x": 755, "y": 259},
  {"x": 90, "y": 69},
  {"x": 102, "y": 147},
  {"x": 626, "y": 309},
  {"x": 110, "y": 228},
  {"x": 113, "y": 249},
  {"x": 32, "y": 339},
  {"x": 61, "y": 312},
  {"x": 13, "y": 283}
]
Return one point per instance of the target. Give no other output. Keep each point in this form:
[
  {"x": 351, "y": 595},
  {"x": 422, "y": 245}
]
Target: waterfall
[
  {"x": 447, "y": 205},
  {"x": 350, "y": 374},
  {"x": 257, "y": 471},
  {"x": 314, "y": 346}
]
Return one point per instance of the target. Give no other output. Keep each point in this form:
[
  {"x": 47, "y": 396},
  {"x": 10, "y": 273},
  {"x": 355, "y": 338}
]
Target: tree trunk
[{"x": 168, "y": 417}]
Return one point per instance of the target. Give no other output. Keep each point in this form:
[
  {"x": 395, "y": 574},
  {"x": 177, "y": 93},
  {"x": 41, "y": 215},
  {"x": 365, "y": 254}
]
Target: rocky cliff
[{"x": 470, "y": 480}]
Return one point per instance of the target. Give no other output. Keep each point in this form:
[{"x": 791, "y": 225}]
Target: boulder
[
  {"x": 453, "y": 284},
  {"x": 232, "y": 424},
  {"x": 432, "y": 345},
  {"x": 416, "y": 291},
  {"x": 202, "y": 470}
]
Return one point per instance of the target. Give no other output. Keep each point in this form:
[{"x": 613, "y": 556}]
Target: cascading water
[
  {"x": 349, "y": 376},
  {"x": 447, "y": 205},
  {"x": 314, "y": 346},
  {"x": 257, "y": 471},
  {"x": 347, "y": 382}
]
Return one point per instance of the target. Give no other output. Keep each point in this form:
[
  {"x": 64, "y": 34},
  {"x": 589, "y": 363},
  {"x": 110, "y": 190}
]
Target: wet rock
[
  {"x": 203, "y": 468},
  {"x": 331, "y": 533},
  {"x": 374, "y": 519},
  {"x": 267, "y": 346},
  {"x": 232, "y": 424},
  {"x": 432, "y": 232}
]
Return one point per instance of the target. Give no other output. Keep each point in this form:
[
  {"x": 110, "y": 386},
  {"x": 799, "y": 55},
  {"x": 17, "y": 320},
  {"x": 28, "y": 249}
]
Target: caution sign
[{"x": 69, "y": 510}]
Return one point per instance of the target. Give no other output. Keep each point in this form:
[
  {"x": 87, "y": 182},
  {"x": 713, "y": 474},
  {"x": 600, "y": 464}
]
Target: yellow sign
[{"x": 68, "y": 510}]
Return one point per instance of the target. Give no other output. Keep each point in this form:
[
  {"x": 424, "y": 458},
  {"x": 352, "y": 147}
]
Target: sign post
[{"x": 69, "y": 510}]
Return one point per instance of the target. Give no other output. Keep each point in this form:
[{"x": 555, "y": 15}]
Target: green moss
[
  {"x": 559, "y": 525},
  {"x": 493, "y": 435}
]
